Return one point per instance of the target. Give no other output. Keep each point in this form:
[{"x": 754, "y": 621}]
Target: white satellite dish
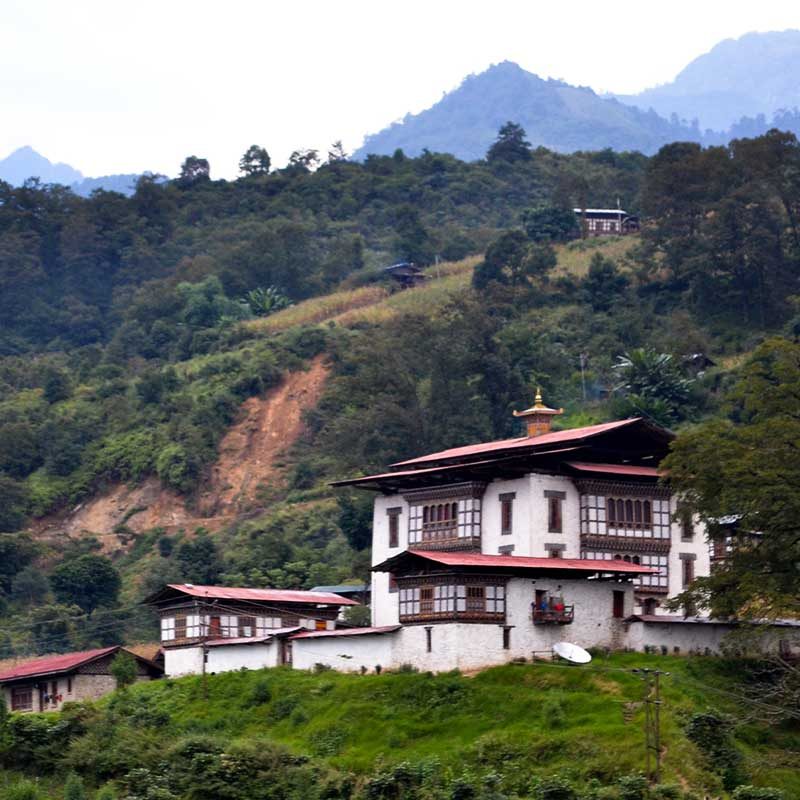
[{"x": 572, "y": 653}]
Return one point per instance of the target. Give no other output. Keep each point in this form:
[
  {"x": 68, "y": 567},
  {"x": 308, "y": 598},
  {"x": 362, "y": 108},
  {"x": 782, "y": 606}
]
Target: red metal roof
[
  {"x": 346, "y": 632},
  {"x": 427, "y": 470},
  {"x": 615, "y": 469},
  {"x": 261, "y": 595},
  {"x": 460, "y": 559},
  {"x": 51, "y": 665},
  {"x": 554, "y": 437}
]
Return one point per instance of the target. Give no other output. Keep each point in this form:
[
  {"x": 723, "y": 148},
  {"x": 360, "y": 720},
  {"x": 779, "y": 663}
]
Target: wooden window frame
[
  {"x": 243, "y": 622},
  {"x": 452, "y": 598},
  {"x": 555, "y": 515},
  {"x": 507, "y": 513},
  {"x": 618, "y": 604},
  {"x": 394, "y": 525},
  {"x": 181, "y": 625},
  {"x": 21, "y": 691}
]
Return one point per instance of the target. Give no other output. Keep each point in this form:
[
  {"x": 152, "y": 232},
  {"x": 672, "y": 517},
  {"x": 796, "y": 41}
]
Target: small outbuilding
[{"x": 45, "y": 684}]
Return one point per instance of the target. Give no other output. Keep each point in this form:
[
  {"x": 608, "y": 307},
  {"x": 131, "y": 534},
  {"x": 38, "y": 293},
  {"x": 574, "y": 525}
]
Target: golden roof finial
[{"x": 537, "y": 401}]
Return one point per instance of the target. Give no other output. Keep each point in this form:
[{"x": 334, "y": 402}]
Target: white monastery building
[{"x": 483, "y": 554}]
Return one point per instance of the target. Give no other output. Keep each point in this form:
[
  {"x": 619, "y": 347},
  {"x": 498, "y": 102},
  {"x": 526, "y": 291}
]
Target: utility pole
[
  {"x": 582, "y": 357},
  {"x": 652, "y": 719},
  {"x": 203, "y": 649}
]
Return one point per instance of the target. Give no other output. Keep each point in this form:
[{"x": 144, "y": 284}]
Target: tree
[
  {"x": 88, "y": 581},
  {"x": 123, "y": 669},
  {"x": 303, "y": 160},
  {"x": 604, "y": 284},
  {"x": 194, "y": 170},
  {"x": 550, "y": 223},
  {"x": 746, "y": 468},
  {"x": 264, "y": 302},
  {"x": 30, "y": 586},
  {"x": 510, "y": 145},
  {"x": 653, "y": 385},
  {"x": 503, "y": 262},
  {"x": 199, "y": 560},
  {"x": 74, "y": 788},
  {"x": 337, "y": 153},
  {"x": 52, "y": 628},
  {"x": 254, "y": 162},
  {"x": 13, "y": 503}
]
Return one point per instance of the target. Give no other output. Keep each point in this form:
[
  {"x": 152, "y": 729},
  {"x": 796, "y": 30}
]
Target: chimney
[{"x": 538, "y": 418}]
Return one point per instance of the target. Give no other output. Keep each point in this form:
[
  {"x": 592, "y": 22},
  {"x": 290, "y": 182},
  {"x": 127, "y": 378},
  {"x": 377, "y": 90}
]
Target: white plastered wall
[{"x": 344, "y": 653}]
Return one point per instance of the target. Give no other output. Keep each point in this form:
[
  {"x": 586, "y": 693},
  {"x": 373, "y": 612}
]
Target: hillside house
[
  {"x": 217, "y": 628},
  {"x": 606, "y": 222},
  {"x": 407, "y": 274},
  {"x": 45, "y": 684}
]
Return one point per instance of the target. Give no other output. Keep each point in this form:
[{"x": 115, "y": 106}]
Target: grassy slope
[{"x": 497, "y": 720}]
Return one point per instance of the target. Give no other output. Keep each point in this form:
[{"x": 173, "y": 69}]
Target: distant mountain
[
  {"x": 755, "y": 74},
  {"x": 26, "y": 163},
  {"x": 124, "y": 184},
  {"x": 554, "y": 114}
]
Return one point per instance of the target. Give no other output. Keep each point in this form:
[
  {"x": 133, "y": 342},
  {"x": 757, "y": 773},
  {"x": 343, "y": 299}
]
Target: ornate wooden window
[
  {"x": 627, "y": 511},
  {"x": 448, "y": 517},
  {"x": 22, "y": 698},
  {"x": 247, "y": 626},
  {"x": 657, "y": 582},
  {"x": 180, "y": 626},
  {"x": 449, "y": 598},
  {"x": 687, "y": 567}
]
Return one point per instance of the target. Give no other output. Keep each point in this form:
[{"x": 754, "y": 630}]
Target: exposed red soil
[{"x": 249, "y": 460}]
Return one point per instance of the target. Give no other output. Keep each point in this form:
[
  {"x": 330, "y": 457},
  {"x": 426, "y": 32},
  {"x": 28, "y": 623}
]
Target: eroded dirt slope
[{"x": 249, "y": 460}]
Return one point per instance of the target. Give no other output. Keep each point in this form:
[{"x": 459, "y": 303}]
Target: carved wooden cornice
[
  {"x": 621, "y": 489},
  {"x": 595, "y": 541},
  {"x": 455, "y": 491}
]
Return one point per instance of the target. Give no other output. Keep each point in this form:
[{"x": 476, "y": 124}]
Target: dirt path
[{"x": 249, "y": 458}]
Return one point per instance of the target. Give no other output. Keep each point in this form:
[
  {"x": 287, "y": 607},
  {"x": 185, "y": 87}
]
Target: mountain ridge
[
  {"x": 25, "y": 163},
  {"x": 555, "y": 115},
  {"x": 743, "y": 77}
]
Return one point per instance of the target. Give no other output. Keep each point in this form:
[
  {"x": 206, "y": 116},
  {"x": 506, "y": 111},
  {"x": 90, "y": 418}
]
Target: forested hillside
[{"x": 135, "y": 332}]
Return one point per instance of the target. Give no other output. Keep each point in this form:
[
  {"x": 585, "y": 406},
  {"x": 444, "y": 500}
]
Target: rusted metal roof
[
  {"x": 52, "y": 665},
  {"x": 615, "y": 469},
  {"x": 579, "y": 566},
  {"x": 533, "y": 442},
  {"x": 346, "y": 632},
  {"x": 256, "y": 595}
]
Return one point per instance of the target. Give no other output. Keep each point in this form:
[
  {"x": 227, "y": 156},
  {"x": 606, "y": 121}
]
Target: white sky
[{"x": 121, "y": 86}]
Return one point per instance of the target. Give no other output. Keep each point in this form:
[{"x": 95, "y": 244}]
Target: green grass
[{"x": 500, "y": 719}]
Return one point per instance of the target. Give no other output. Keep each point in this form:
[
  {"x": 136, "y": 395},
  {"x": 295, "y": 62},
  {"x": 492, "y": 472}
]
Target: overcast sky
[{"x": 118, "y": 86}]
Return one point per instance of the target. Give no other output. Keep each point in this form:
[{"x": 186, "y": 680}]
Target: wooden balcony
[{"x": 550, "y": 616}]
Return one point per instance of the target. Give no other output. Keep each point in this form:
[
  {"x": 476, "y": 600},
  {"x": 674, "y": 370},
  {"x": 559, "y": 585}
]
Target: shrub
[
  {"x": 555, "y": 787},
  {"x": 260, "y": 693},
  {"x": 22, "y": 790},
  {"x": 553, "y": 712},
  {"x": 757, "y": 793},
  {"x": 666, "y": 791},
  {"x": 283, "y": 706},
  {"x": 632, "y": 787},
  {"x": 74, "y": 788},
  {"x": 711, "y": 732}
]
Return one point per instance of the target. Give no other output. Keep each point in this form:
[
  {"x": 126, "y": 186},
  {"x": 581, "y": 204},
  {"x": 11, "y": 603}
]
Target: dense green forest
[{"x": 132, "y": 331}]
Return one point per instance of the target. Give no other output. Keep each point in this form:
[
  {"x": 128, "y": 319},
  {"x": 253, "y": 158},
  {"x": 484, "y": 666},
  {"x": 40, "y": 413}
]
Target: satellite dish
[{"x": 572, "y": 653}]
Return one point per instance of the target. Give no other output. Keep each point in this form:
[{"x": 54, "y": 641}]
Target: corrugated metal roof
[
  {"x": 343, "y": 587},
  {"x": 51, "y": 665},
  {"x": 386, "y": 476},
  {"x": 535, "y": 442},
  {"x": 261, "y": 595},
  {"x": 461, "y": 559},
  {"x": 346, "y": 632},
  {"x": 252, "y": 639},
  {"x": 615, "y": 469}
]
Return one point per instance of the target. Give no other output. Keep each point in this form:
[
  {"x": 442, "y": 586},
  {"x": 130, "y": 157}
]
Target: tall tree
[
  {"x": 255, "y": 161},
  {"x": 510, "y": 146},
  {"x": 194, "y": 170},
  {"x": 741, "y": 476},
  {"x": 88, "y": 581}
]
